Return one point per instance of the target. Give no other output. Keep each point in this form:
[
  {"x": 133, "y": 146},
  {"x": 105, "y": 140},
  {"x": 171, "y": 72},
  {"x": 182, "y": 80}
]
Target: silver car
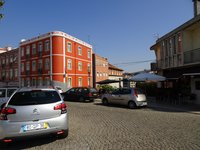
[
  {"x": 33, "y": 112},
  {"x": 131, "y": 97}
]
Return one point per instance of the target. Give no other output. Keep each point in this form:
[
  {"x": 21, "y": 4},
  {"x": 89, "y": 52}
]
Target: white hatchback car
[
  {"x": 33, "y": 112},
  {"x": 131, "y": 97}
]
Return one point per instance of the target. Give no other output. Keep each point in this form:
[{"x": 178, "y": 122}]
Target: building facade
[
  {"x": 100, "y": 68},
  {"x": 9, "y": 67},
  {"x": 55, "y": 58},
  {"x": 178, "y": 55},
  {"x": 115, "y": 73}
]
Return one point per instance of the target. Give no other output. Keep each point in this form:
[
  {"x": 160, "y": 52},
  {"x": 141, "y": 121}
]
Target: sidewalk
[{"x": 189, "y": 108}]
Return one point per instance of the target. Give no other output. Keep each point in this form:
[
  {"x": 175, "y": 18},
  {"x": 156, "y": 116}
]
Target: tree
[{"x": 1, "y": 5}]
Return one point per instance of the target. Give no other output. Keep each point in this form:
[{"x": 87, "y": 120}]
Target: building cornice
[{"x": 55, "y": 33}]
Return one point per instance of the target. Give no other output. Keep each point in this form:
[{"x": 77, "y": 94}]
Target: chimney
[{"x": 196, "y": 7}]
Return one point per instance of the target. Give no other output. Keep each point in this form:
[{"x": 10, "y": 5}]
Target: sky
[{"x": 121, "y": 30}]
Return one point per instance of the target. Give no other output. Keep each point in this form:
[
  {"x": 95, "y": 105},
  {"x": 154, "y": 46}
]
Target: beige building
[{"x": 178, "y": 56}]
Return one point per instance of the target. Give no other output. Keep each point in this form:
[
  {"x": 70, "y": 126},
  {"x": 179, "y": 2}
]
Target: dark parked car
[{"x": 80, "y": 94}]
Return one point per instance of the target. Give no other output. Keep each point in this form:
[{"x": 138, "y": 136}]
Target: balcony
[{"x": 192, "y": 56}]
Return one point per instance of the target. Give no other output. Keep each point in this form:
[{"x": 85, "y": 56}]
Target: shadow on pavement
[{"x": 27, "y": 143}]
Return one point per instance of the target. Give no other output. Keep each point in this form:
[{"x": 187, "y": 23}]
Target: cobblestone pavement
[{"x": 97, "y": 127}]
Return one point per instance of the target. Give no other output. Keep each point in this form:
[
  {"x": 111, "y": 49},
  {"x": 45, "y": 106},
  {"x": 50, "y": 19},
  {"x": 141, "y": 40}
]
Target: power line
[{"x": 133, "y": 62}]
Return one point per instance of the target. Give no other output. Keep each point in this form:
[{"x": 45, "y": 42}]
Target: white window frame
[
  {"x": 80, "y": 66},
  {"x": 69, "y": 83},
  {"x": 79, "y": 81},
  {"x": 79, "y": 50},
  {"x": 89, "y": 53},
  {"x": 69, "y": 48},
  {"x": 69, "y": 64}
]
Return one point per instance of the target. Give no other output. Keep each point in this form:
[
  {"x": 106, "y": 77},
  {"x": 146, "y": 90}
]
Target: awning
[{"x": 107, "y": 81}]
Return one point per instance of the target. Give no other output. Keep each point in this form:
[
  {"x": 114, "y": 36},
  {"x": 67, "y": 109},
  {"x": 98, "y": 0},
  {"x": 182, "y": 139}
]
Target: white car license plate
[{"x": 37, "y": 126}]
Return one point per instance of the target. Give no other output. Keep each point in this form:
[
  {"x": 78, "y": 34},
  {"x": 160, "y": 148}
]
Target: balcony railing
[{"x": 192, "y": 56}]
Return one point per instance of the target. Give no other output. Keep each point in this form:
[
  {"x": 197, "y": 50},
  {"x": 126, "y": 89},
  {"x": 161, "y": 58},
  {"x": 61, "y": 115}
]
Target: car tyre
[
  {"x": 105, "y": 101},
  {"x": 132, "y": 105},
  {"x": 81, "y": 99}
]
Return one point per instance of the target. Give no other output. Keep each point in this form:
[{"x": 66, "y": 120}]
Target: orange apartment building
[
  {"x": 9, "y": 67},
  {"x": 57, "y": 59}
]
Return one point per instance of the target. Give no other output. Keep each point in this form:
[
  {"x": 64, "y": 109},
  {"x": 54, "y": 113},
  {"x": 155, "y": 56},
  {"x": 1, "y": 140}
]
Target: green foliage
[
  {"x": 106, "y": 88},
  {"x": 149, "y": 88},
  {"x": 1, "y": 5}
]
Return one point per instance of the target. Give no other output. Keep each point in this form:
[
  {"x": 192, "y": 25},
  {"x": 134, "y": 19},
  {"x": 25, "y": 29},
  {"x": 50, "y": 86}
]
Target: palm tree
[{"x": 1, "y": 5}]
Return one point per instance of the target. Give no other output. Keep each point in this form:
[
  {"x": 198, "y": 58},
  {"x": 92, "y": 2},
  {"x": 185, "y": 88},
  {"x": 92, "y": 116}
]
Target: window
[
  {"x": 69, "y": 64},
  {"x": 33, "y": 81},
  {"x": 80, "y": 66},
  {"x": 69, "y": 47},
  {"x": 47, "y": 45},
  {"x": 40, "y": 64},
  {"x": 46, "y": 81},
  {"x": 11, "y": 59},
  {"x": 27, "y": 66},
  {"x": 22, "y": 67},
  {"x": 34, "y": 97},
  {"x": 33, "y": 49},
  {"x": 34, "y": 65},
  {"x": 79, "y": 81},
  {"x": 79, "y": 50},
  {"x": 7, "y": 74},
  {"x": 28, "y": 83},
  {"x": 11, "y": 73},
  {"x": 22, "y": 82},
  {"x": 39, "y": 81},
  {"x": 47, "y": 66},
  {"x": 22, "y": 52},
  {"x": 16, "y": 73},
  {"x": 88, "y": 81},
  {"x": 27, "y": 50},
  {"x": 89, "y": 68},
  {"x": 69, "y": 82},
  {"x": 89, "y": 54},
  {"x": 7, "y": 60},
  {"x": 40, "y": 47}
]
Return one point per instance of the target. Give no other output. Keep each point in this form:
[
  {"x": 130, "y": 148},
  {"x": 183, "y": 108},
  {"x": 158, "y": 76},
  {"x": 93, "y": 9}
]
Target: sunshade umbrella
[{"x": 147, "y": 77}]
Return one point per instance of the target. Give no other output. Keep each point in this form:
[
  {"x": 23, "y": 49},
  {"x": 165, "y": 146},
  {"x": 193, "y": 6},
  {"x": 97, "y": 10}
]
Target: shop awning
[{"x": 107, "y": 81}]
